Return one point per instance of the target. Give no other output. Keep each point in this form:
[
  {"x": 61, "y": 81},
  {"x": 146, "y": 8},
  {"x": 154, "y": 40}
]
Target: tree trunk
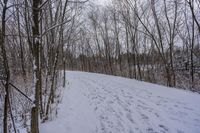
[
  {"x": 34, "y": 120},
  {"x": 6, "y": 67},
  {"x": 36, "y": 65}
]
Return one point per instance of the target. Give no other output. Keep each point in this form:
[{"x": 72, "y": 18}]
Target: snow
[{"x": 97, "y": 103}]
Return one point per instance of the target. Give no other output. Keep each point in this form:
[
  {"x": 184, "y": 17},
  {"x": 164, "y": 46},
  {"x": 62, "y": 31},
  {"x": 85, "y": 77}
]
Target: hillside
[{"x": 96, "y": 103}]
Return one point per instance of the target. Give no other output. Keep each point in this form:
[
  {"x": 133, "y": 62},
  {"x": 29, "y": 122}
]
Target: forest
[{"x": 156, "y": 41}]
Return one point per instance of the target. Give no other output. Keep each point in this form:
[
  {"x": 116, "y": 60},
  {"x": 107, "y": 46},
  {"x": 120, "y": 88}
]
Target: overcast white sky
[{"x": 102, "y": 2}]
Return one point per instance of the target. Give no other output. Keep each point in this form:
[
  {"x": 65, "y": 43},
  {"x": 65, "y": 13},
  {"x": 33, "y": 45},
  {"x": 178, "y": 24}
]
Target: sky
[{"x": 102, "y": 2}]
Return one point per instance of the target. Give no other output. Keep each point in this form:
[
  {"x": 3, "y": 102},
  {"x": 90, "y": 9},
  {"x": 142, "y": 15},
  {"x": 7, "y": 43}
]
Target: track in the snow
[{"x": 95, "y": 103}]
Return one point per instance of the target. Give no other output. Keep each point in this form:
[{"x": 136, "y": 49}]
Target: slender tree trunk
[
  {"x": 20, "y": 42},
  {"x": 6, "y": 67},
  {"x": 191, "y": 56},
  {"x": 191, "y": 5},
  {"x": 166, "y": 66}
]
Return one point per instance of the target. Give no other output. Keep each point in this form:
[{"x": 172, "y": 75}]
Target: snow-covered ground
[{"x": 96, "y": 103}]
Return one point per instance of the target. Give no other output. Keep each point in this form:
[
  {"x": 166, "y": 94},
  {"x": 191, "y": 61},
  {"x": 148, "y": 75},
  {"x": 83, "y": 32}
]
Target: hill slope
[{"x": 96, "y": 103}]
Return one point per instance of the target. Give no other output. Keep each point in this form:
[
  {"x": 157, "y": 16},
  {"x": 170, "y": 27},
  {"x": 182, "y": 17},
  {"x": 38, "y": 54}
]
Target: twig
[
  {"x": 13, "y": 121},
  {"x": 21, "y": 92}
]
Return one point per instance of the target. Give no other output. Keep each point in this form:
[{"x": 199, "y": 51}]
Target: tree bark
[{"x": 36, "y": 66}]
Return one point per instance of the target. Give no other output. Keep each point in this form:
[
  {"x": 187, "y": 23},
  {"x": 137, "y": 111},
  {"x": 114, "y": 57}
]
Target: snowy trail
[{"x": 95, "y": 103}]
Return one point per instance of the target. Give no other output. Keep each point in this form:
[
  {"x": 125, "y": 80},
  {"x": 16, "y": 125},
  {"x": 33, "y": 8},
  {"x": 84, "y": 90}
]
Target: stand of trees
[
  {"x": 154, "y": 41},
  {"x": 32, "y": 44}
]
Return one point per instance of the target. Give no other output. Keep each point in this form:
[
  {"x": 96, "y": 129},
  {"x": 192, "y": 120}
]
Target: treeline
[
  {"x": 32, "y": 42},
  {"x": 154, "y": 41}
]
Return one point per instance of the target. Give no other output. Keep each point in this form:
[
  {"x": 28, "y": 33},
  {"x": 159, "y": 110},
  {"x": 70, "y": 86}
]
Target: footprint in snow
[
  {"x": 129, "y": 117},
  {"x": 150, "y": 130},
  {"x": 164, "y": 129},
  {"x": 144, "y": 117}
]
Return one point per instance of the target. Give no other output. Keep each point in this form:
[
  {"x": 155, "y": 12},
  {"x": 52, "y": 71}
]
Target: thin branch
[
  {"x": 53, "y": 27},
  {"x": 14, "y": 5},
  {"x": 21, "y": 93},
  {"x": 43, "y": 4},
  {"x": 78, "y": 1}
]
